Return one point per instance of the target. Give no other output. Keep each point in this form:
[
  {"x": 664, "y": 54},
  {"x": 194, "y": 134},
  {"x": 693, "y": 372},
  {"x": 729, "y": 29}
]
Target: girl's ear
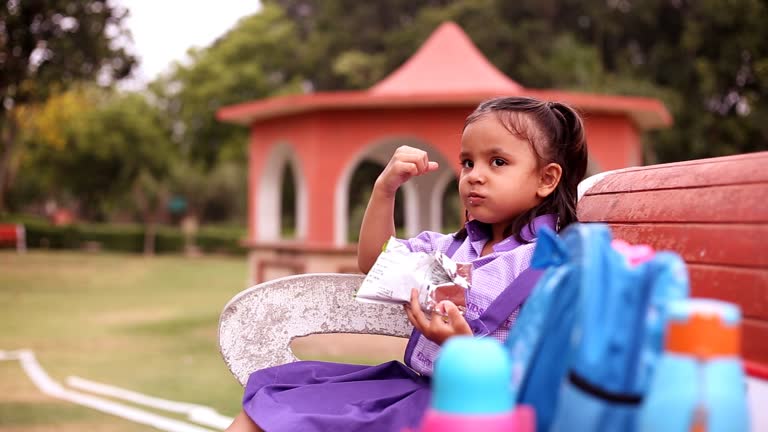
[{"x": 550, "y": 178}]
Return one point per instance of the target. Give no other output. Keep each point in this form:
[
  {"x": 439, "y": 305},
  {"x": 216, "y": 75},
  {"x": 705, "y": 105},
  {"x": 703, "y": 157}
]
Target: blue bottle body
[
  {"x": 699, "y": 384},
  {"x": 472, "y": 392},
  {"x": 726, "y": 396},
  {"x": 673, "y": 396},
  {"x": 686, "y": 390}
]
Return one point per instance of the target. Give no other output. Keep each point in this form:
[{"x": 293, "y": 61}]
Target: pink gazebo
[{"x": 325, "y": 136}]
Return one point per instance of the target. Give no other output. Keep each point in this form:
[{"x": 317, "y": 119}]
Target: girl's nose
[{"x": 476, "y": 176}]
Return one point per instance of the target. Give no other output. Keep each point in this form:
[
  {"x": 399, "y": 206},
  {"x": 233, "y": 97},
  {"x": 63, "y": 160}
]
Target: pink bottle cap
[{"x": 522, "y": 419}]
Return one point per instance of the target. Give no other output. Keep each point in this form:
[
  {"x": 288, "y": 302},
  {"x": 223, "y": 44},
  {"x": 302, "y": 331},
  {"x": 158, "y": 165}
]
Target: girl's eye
[
  {"x": 497, "y": 162},
  {"x": 466, "y": 163}
]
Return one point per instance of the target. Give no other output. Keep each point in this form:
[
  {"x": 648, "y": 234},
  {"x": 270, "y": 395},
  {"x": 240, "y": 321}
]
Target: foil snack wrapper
[{"x": 397, "y": 270}]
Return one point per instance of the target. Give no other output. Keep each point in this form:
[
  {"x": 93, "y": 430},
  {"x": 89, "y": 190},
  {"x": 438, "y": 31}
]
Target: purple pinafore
[{"x": 321, "y": 396}]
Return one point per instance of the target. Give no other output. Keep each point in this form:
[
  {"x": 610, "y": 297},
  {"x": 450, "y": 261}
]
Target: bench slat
[
  {"x": 746, "y": 287},
  {"x": 754, "y": 338},
  {"x": 742, "y": 203},
  {"x": 695, "y": 174},
  {"x": 737, "y": 244},
  {"x": 713, "y": 212}
]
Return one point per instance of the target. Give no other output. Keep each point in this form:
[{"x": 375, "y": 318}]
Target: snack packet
[{"x": 397, "y": 270}]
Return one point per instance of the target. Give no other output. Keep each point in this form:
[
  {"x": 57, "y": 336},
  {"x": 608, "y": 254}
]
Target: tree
[
  {"x": 721, "y": 73},
  {"x": 45, "y": 130},
  {"x": 255, "y": 59},
  {"x": 150, "y": 195},
  {"x": 705, "y": 59},
  {"x": 47, "y": 46},
  {"x": 352, "y": 44},
  {"x": 100, "y": 155}
]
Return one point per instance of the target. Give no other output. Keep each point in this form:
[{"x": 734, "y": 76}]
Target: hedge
[{"x": 129, "y": 238}]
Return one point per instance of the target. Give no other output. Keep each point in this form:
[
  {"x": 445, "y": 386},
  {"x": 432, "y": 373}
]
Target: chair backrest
[
  {"x": 714, "y": 213},
  {"x": 257, "y": 326}
]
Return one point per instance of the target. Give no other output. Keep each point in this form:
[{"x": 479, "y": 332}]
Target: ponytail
[{"x": 570, "y": 152}]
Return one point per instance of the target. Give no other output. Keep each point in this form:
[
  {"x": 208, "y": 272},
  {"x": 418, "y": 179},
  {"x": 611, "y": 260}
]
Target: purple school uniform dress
[{"x": 320, "y": 396}]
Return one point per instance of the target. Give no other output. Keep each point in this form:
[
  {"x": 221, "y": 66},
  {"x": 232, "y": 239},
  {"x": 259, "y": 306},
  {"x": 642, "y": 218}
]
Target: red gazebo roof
[
  {"x": 447, "y": 70},
  {"x": 447, "y": 63}
]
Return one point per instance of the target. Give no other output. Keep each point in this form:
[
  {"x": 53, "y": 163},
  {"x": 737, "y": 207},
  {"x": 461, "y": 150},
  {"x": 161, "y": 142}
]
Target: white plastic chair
[{"x": 257, "y": 326}]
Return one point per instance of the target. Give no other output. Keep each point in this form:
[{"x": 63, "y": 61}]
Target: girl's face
[{"x": 499, "y": 175}]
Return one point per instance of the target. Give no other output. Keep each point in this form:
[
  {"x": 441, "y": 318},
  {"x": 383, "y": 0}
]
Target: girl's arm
[
  {"x": 378, "y": 226},
  {"x": 379, "y": 219}
]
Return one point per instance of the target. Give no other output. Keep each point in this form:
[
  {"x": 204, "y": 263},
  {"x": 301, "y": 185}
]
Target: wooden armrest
[{"x": 257, "y": 325}]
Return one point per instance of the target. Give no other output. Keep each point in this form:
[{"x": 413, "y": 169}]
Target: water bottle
[
  {"x": 699, "y": 384},
  {"x": 471, "y": 390}
]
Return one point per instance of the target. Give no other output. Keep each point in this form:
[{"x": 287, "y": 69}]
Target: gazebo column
[
  {"x": 444, "y": 178},
  {"x": 321, "y": 180},
  {"x": 258, "y": 228},
  {"x": 425, "y": 191},
  {"x": 428, "y": 209}
]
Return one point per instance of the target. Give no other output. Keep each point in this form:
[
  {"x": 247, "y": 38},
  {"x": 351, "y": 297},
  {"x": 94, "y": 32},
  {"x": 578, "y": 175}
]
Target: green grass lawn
[{"x": 144, "y": 324}]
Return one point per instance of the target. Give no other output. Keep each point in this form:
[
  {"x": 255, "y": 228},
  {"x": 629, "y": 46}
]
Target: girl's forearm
[{"x": 377, "y": 227}]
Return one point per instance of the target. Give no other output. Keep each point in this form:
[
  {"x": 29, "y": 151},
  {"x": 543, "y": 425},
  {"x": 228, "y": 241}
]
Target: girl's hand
[
  {"x": 440, "y": 328},
  {"x": 407, "y": 162}
]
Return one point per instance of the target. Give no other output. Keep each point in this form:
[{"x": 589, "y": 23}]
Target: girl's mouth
[{"x": 475, "y": 198}]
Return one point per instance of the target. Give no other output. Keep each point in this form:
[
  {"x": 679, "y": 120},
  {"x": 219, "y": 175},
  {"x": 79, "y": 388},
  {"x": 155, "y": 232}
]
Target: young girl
[{"x": 521, "y": 160}]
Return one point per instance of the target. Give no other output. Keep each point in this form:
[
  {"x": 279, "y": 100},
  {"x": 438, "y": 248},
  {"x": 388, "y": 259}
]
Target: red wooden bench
[
  {"x": 714, "y": 213},
  {"x": 13, "y": 235}
]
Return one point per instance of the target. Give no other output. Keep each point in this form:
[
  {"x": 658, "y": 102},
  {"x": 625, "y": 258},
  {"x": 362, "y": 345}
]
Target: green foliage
[
  {"x": 128, "y": 238},
  {"x": 215, "y": 196},
  {"x": 120, "y": 143},
  {"x": 226, "y": 192},
  {"x": 288, "y": 203},
  {"x": 453, "y": 219},
  {"x": 359, "y": 69},
  {"x": 48, "y": 46},
  {"x": 257, "y": 58},
  {"x": 346, "y": 43},
  {"x": 115, "y": 238},
  {"x": 56, "y": 43},
  {"x": 221, "y": 241}
]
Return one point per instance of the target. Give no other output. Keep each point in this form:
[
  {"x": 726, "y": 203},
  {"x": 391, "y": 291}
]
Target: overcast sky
[{"x": 163, "y": 30}]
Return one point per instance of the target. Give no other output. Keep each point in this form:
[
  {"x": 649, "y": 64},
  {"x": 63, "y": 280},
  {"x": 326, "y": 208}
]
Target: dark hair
[{"x": 555, "y": 132}]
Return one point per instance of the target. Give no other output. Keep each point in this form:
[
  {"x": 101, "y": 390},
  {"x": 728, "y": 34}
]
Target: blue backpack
[{"x": 586, "y": 341}]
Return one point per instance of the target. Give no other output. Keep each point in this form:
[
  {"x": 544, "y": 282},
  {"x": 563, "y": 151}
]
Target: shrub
[{"x": 127, "y": 237}]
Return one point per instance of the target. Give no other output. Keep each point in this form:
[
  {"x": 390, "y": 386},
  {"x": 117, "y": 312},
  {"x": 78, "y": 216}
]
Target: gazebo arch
[
  {"x": 417, "y": 191},
  {"x": 268, "y": 194}
]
